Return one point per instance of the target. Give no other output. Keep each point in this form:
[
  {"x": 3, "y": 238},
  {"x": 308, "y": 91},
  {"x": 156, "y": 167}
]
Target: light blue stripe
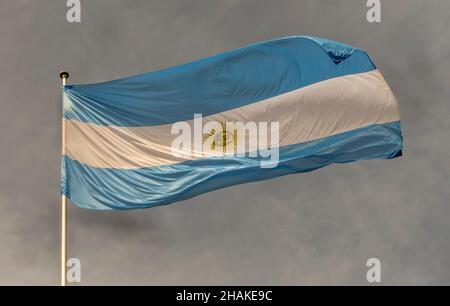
[
  {"x": 215, "y": 84},
  {"x": 106, "y": 189}
]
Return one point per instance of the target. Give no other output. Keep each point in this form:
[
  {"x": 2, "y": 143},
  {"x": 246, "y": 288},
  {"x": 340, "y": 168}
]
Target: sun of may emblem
[{"x": 222, "y": 138}]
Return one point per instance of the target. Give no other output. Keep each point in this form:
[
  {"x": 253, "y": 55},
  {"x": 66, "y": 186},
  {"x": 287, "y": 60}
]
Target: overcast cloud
[{"x": 313, "y": 228}]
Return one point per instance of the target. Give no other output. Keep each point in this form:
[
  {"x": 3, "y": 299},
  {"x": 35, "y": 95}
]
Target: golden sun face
[{"x": 222, "y": 139}]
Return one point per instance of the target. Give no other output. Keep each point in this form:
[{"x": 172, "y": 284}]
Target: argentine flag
[{"x": 273, "y": 108}]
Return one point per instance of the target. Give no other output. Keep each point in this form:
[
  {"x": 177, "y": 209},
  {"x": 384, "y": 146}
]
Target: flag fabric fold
[{"x": 278, "y": 107}]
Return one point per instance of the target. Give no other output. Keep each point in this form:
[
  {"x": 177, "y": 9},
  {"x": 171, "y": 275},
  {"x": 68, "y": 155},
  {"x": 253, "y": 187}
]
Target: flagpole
[{"x": 64, "y": 76}]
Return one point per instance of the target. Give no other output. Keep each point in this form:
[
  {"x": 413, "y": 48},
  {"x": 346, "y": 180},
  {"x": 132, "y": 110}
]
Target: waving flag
[{"x": 278, "y": 107}]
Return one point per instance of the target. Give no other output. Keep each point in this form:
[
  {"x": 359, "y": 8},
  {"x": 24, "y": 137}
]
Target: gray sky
[{"x": 314, "y": 228}]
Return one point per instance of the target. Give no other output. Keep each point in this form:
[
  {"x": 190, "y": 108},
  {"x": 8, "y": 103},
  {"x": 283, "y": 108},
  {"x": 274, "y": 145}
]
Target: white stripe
[{"x": 323, "y": 109}]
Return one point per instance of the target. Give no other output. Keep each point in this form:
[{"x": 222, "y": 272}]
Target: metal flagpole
[{"x": 64, "y": 76}]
